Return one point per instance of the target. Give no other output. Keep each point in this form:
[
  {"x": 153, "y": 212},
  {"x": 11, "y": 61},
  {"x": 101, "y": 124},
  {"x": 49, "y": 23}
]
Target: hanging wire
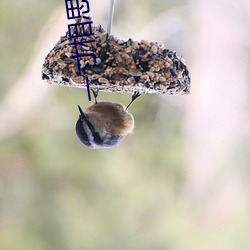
[{"x": 110, "y": 15}]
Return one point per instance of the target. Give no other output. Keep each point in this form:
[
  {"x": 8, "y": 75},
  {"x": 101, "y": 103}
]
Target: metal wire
[{"x": 110, "y": 15}]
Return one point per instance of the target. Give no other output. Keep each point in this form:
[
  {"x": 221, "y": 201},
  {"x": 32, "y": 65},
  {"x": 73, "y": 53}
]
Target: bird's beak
[{"x": 82, "y": 115}]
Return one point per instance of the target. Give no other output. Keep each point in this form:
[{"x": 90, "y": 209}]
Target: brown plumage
[
  {"x": 104, "y": 124},
  {"x": 109, "y": 117}
]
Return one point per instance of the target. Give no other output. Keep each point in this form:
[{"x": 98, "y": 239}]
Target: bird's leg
[
  {"x": 95, "y": 94},
  {"x": 134, "y": 97}
]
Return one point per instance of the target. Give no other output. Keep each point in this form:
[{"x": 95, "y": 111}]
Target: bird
[{"x": 104, "y": 124}]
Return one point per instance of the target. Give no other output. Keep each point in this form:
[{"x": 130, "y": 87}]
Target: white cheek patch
[{"x": 90, "y": 135}]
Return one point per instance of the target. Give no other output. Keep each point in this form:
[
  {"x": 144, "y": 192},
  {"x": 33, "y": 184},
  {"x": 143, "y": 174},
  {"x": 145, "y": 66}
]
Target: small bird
[{"x": 104, "y": 124}]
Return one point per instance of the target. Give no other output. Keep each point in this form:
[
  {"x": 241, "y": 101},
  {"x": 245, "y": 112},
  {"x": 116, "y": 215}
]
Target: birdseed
[{"x": 121, "y": 66}]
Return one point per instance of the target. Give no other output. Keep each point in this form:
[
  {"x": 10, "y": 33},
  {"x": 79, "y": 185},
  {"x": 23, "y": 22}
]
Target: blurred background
[{"x": 180, "y": 182}]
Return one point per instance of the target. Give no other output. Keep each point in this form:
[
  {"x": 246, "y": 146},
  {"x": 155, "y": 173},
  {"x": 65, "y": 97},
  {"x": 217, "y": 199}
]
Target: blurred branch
[{"x": 29, "y": 92}]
